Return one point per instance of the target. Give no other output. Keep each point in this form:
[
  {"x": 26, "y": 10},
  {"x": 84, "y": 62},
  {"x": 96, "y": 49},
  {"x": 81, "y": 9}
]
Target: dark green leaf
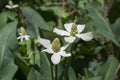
[
  {"x": 7, "y": 65},
  {"x": 108, "y": 69},
  {"x": 34, "y": 21},
  {"x": 101, "y": 26},
  {"x": 71, "y": 74}
]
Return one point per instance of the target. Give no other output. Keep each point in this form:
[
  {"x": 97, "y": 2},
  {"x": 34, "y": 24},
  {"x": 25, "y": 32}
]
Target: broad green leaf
[
  {"x": 45, "y": 69},
  {"x": 33, "y": 75},
  {"x": 107, "y": 70},
  {"x": 71, "y": 74},
  {"x": 116, "y": 28},
  {"x": 34, "y": 21},
  {"x": 88, "y": 74},
  {"x": 100, "y": 25},
  {"x": 7, "y": 65},
  {"x": 11, "y": 15},
  {"x": 3, "y": 20}
]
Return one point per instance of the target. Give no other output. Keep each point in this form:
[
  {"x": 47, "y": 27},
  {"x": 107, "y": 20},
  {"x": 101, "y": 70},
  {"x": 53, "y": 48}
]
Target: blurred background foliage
[{"x": 94, "y": 60}]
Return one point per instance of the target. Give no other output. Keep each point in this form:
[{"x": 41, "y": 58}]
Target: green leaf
[
  {"x": 45, "y": 69},
  {"x": 37, "y": 58},
  {"x": 95, "y": 78},
  {"x": 44, "y": 73},
  {"x": 88, "y": 74},
  {"x": 33, "y": 75},
  {"x": 116, "y": 28},
  {"x": 108, "y": 69},
  {"x": 71, "y": 74},
  {"x": 3, "y": 20},
  {"x": 58, "y": 11},
  {"x": 7, "y": 65},
  {"x": 34, "y": 21},
  {"x": 100, "y": 25},
  {"x": 23, "y": 65}
]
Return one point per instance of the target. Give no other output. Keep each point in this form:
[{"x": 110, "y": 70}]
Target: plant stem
[
  {"x": 52, "y": 72},
  {"x": 56, "y": 72},
  {"x": 66, "y": 68}
]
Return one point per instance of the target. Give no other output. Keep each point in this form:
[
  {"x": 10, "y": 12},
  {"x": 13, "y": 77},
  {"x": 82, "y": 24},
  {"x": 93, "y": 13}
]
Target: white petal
[
  {"x": 26, "y": 38},
  {"x": 20, "y": 34},
  {"x": 9, "y": 7},
  {"x": 19, "y": 37},
  {"x": 56, "y": 58},
  {"x": 80, "y": 28},
  {"x": 85, "y": 36},
  {"x": 61, "y": 32},
  {"x": 68, "y": 26},
  {"x": 14, "y": 6},
  {"x": 70, "y": 39},
  {"x": 64, "y": 54},
  {"x": 64, "y": 47},
  {"x": 48, "y": 50},
  {"x": 45, "y": 42}
]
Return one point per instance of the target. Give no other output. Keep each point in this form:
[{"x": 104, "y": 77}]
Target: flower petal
[
  {"x": 68, "y": 26},
  {"x": 48, "y": 50},
  {"x": 26, "y": 37},
  {"x": 85, "y": 36},
  {"x": 56, "y": 58},
  {"x": 64, "y": 54},
  {"x": 80, "y": 28},
  {"x": 64, "y": 47},
  {"x": 19, "y": 37},
  {"x": 61, "y": 32},
  {"x": 45, "y": 42},
  {"x": 14, "y": 6},
  {"x": 70, "y": 39},
  {"x": 9, "y": 7}
]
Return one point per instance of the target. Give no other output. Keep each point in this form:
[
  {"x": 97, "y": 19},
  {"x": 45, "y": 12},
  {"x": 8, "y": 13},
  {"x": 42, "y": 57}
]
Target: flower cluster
[{"x": 72, "y": 32}]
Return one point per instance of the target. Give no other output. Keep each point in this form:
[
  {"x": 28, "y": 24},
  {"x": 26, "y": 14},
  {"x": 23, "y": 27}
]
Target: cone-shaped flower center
[
  {"x": 73, "y": 30},
  {"x": 10, "y": 3},
  {"x": 56, "y": 45},
  {"x": 23, "y": 31}
]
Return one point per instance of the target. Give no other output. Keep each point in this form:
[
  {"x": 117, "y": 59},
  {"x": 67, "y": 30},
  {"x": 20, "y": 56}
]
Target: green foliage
[
  {"x": 24, "y": 58},
  {"x": 7, "y": 37}
]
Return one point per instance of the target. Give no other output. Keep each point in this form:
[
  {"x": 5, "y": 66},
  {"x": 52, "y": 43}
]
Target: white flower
[
  {"x": 11, "y": 5},
  {"x": 22, "y": 36},
  {"x": 55, "y": 49},
  {"x": 73, "y": 31}
]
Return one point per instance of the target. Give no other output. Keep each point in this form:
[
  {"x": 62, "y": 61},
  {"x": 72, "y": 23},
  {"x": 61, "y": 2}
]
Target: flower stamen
[
  {"x": 10, "y": 3},
  {"x": 23, "y": 31},
  {"x": 73, "y": 30},
  {"x": 56, "y": 45}
]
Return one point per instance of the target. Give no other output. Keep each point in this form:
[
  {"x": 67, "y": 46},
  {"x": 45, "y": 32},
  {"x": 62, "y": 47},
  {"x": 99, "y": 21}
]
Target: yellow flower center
[
  {"x": 10, "y": 3},
  {"x": 73, "y": 30},
  {"x": 23, "y": 31},
  {"x": 56, "y": 45}
]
